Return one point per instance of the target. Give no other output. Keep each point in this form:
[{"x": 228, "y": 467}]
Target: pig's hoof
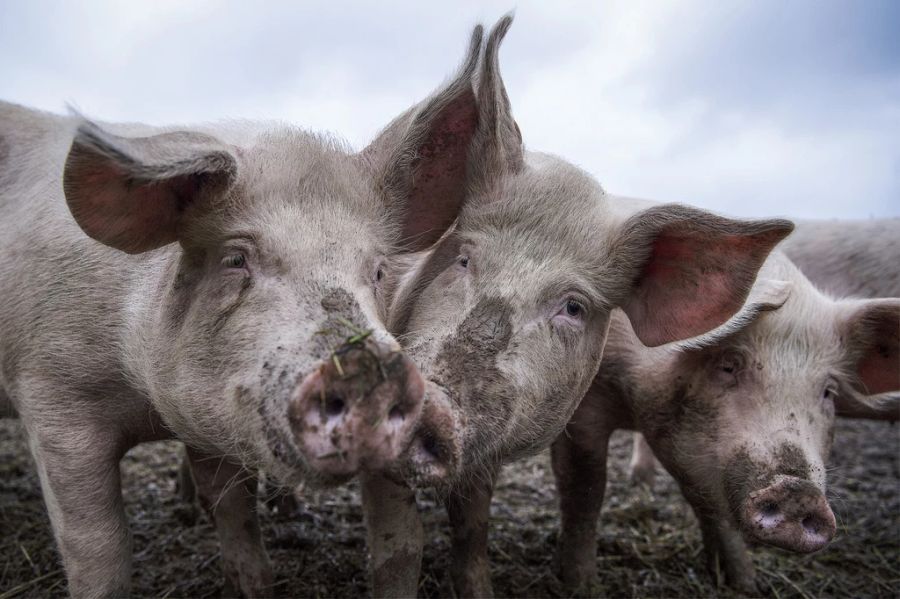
[
  {"x": 584, "y": 585},
  {"x": 282, "y": 501},
  {"x": 578, "y": 579},
  {"x": 746, "y": 586},
  {"x": 254, "y": 580}
]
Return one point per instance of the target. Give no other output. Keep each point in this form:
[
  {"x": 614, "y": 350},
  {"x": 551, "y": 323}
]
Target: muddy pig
[
  {"x": 509, "y": 313},
  {"x": 741, "y": 417},
  {"x": 844, "y": 258},
  {"x": 217, "y": 285}
]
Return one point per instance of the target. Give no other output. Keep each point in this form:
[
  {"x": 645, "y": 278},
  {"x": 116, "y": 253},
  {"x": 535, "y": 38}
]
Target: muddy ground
[{"x": 649, "y": 542}]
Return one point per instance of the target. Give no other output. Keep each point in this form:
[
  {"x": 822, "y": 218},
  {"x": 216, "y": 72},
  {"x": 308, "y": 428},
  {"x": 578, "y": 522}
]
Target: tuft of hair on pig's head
[
  {"x": 274, "y": 250},
  {"x": 508, "y": 314}
]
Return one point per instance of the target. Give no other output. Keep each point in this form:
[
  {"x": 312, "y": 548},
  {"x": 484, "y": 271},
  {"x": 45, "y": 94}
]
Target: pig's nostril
[
  {"x": 334, "y": 405},
  {"x": 396, "y": 413},
  {"x": 768, "y": 509},
  {"x": 811, "y": 524},
  {"x": 431, "y": 447}
]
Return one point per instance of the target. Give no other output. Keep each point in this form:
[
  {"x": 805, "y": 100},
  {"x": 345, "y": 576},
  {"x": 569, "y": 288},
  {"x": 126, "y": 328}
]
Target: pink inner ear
[
  {"x": 130, "y": 216},
  {"x": 879, "y": 372},
  {"x": 693, "y": 283},
  {"x": 439, "y": 185},
  {"x": 879, "y": 367}
]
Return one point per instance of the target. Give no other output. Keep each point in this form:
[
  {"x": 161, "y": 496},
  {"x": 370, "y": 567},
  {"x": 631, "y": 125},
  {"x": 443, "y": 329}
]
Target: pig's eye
[
  {"x": 463, "y": 261},
  {"x": 574, "y": 309},
  {"x": 234, "y": 261},
  {"x": 731, "y": 363},
  {"x": 829, "y": 393},
  {"x": 379, "y": 274},
  {"x": 571, "y": 311}
]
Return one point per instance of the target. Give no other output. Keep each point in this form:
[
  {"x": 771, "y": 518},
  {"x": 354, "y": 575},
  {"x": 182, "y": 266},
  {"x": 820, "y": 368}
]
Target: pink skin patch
[
  {"x": 357, "y": 412},
  {"x": 439, "y": 188},
  {"x": 693, "y": 283}
]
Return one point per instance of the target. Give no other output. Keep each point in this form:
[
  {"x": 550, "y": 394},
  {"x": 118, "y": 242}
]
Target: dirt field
[{"x": 649, "y": 543}]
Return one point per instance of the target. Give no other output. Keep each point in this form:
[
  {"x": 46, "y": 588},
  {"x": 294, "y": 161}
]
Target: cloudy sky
[{"x": 749, "y": 108}]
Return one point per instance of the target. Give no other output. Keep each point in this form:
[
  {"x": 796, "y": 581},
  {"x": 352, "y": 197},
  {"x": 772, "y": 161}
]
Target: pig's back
[
  {"x": 62, "y": 294},
  {"x": 848, "y": 258}
]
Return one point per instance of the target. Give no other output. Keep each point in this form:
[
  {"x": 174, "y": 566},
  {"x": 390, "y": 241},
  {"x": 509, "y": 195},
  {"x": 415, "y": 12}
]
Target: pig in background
[
  {"x": 742, "y": 418},
  {"x": 842, "y": 258},
  {"x": 848, "y": 258},
  {"x": 231, "y": 302}
]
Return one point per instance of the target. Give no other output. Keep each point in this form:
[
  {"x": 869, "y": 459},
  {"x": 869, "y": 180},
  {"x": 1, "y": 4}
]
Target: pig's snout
[
  {"x": 435, "y": 452},
  {"x": 792, "y": 513},
  {"x": 358, "y": 410}
]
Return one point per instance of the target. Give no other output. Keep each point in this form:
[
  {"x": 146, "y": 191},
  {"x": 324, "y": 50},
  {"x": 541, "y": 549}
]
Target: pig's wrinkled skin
[
  {"x": 231, "y": 302},
  {"x": 741, "y": 417},
  {"x": 509, "y": 314}
]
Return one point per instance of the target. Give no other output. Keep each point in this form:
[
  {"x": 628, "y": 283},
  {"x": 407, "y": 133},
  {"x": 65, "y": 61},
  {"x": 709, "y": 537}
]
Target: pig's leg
[
  {"x": 642, "y": 469},
  {"x": 726, "y": 552},
  {"x": 78, "y": 466},
  {"x": 579, "y": 466},
  {"x": 228, "y": 494},
  {"x": 469, "y": 508},
  {"x": 185, "y": 487},
  {"x": 395, "y": 536}
]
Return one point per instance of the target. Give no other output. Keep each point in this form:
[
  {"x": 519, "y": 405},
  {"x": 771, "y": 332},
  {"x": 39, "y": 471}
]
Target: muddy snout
[
  {"x": 792, "y": 513},
  {"x": 358, "y": 410},
  {"x": 435, "y": 453}
]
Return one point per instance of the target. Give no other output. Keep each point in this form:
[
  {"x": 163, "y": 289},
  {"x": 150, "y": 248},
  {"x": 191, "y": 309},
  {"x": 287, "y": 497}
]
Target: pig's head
[
  {"x": 509, "y": 313},
  {"x": 256, "y": 330},
  {"x": 754, "y": 404}
]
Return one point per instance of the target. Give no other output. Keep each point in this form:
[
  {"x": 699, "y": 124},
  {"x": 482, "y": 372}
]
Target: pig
[
  {"x": 742, "y": 418},
  {"x": 508, "y": 314},
  {"x": 844, "y": 258},
  {"x": 217, "y": 285},
  {"x": 848, "y": 258}
]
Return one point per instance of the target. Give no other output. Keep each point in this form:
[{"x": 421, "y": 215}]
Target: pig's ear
[
  {"x": 421, "y": 158},
  {"x": 498, "y": 149},
  {"x": 870, "y": 333},
  {"x": 766, "y": 295},
  {"x": 690, "y": 270},
  {"x": 131, "y": 193}
]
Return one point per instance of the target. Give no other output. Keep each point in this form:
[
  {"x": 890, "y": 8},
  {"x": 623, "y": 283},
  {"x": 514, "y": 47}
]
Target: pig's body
[
  {"x": 742, "y": 419},
  {"x": 848, "y": 258},
  {"x": 232, "y": 302}
]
